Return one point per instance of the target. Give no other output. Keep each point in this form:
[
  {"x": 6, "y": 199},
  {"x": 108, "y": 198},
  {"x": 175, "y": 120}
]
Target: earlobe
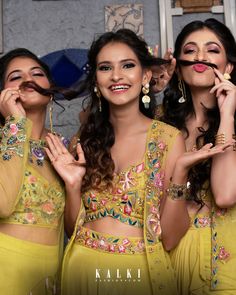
[
  {"x": 229, "y": 68},
  {"x": 147, "y": 77}
]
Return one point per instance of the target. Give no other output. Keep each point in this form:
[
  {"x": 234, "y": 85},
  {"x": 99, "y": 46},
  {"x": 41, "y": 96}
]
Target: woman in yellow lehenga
[
  {"x": 201, "y": 101},
  {"x": 116, "y": 244},
  {"x": 32, "y": 195}
]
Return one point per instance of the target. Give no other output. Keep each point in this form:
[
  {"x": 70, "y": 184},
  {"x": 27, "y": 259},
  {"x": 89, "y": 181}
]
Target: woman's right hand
[
  {"x": 71, "y": 171},
  {"x": 10, "y": 102}
]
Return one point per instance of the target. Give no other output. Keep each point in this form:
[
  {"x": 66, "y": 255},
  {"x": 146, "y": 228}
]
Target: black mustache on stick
[{"x": 190, "y": 63}]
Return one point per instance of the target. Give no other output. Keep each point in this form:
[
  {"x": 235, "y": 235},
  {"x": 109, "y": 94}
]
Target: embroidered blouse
[
  {"x": 160, "y": 140},
  {"x": 31, "y": 191},
  {"x": 126, "y": 200}
]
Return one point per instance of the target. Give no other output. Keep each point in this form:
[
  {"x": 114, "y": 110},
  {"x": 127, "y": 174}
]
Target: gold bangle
[
  {"x": 220, "y": 138},
  {"x": 177, "y": 191}
]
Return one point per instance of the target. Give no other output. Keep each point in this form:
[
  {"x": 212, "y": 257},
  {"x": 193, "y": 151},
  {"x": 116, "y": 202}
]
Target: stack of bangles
[
  {"x": 177, "y": 191},
  {"x": 221, "y": 139}
]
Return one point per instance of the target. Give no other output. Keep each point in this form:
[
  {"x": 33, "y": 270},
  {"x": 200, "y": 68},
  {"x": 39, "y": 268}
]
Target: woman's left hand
[
  {"x": 226, "y": 94},
  {"x": 191, "y": 158},
  {"x": 161, "y": 75}
]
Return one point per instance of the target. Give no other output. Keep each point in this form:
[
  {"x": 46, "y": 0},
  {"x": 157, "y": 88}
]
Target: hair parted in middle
[
  {"x": 176, "y": 113},
  {"x": 97, "y": 135}
]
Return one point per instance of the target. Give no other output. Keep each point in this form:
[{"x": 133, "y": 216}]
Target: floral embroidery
[
  {"x": 123, "y": 202},
  {"x": 37, "y": 153},
  {"x": 12, "y": 138},
  {"x": 154, "y": 184},
  {"x": 204, "y": 221},
  {"x": 223, "y": 254},
  {"x": 13, "y": 129},
  {"x": 107, "y": 243},
  {"x": 219, "y": 253},
  {"x": 127, "y": 181},
  {"x": 40, "y": 202},
  {"x": 140, "y": 168}
]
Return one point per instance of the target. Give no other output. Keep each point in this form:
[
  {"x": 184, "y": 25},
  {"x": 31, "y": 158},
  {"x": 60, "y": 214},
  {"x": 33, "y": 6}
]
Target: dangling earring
[
  {"x": 181, "y": 87},
  {"x": 146, "y": 99},
  {"x": 98, "y": 93},
  {"x": 227, "y": 76},
  {"x": 50, "y": 113}
]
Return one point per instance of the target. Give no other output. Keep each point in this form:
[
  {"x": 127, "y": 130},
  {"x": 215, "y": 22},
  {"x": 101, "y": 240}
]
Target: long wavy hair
[
  {"x": 176, "y": 113},
  {"x": 97, "y": 134}
]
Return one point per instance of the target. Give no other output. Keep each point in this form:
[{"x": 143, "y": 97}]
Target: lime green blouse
[{"x": 31, "y": 192}]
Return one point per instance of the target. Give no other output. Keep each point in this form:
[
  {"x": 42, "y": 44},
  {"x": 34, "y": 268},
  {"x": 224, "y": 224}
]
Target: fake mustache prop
[{"x": 183, "y": 62}]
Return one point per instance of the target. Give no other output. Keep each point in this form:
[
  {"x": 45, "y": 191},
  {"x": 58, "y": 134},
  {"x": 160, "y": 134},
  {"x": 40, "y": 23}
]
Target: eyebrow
[
  {"x": 121, "y": 61},
  {"x": 18, "y": 70},
  {"x": 208, "y": 43}
]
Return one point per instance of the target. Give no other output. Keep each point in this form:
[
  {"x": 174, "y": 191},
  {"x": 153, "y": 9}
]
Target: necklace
[{"x": 37, "y": 151}]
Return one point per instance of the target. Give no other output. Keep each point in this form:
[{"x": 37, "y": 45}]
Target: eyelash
[
  {"x": 107, "y": 68},
  {"x": 129, "y": 65},
  {"x": 19, "y": 77},
  {"x": 14, "y": 78},
  {"x": 104, "y": 68},
  {"x": 187, "y": 51},
  {"x": 38, "y": 74},
  {"x": 214, "y": 50}
]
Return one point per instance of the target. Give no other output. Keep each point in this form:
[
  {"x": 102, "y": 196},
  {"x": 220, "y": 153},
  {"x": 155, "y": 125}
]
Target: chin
[{"x": 203, "y": 83}]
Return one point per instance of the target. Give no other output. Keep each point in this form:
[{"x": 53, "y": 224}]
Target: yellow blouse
[
  {"x": 31, "y": 192},
  {"x": 141, "y": 184},
  {"x": 125, "y": 202}
]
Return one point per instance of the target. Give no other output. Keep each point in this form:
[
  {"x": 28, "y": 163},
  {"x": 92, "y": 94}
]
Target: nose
[
  {"x": 201, "y": 55},
  {"x": 116, "y": 74},
  {"x": 27, "y": 77}
]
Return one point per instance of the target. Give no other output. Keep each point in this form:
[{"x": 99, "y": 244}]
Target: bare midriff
[{"x": 31, "y": 233}]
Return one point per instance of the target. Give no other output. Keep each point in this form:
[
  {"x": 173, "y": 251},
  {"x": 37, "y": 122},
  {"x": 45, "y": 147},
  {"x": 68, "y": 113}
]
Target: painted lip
[
  {"x": 119, "y": 88},
  {"x": 200, "y": 68}
]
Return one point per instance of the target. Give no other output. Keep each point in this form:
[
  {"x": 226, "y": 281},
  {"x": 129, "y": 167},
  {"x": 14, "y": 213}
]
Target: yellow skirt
[
  {"x": 27, "y": 268},
  {"x": 191, "y": 261},
  {"x": 97, "y": 263}
]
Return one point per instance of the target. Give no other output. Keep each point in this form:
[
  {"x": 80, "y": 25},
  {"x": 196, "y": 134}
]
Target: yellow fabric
[
  {"x": 27, "y": 268},
  {"x": 40, "y": 202},
  {"x": 125, "y": 201},
  {"x": 192, "y": 258},
  {"x": 39, "y": 198},
  {"x": 32, "y": 198},
  {"x": 224, "y": 228},
  {"x": 92, "y": 272},
  {"x": 158, "y": 272}
]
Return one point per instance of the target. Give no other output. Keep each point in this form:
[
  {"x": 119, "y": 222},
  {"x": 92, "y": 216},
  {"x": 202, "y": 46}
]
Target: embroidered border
[
  {"x": 110, "y": 244},
  {"x": 13, "y": 135}
]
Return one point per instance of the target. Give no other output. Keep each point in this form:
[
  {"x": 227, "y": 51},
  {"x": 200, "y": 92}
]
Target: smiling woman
[
  {"x": 126, "y": 189},
  {"x": 32, "y": 195}
]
